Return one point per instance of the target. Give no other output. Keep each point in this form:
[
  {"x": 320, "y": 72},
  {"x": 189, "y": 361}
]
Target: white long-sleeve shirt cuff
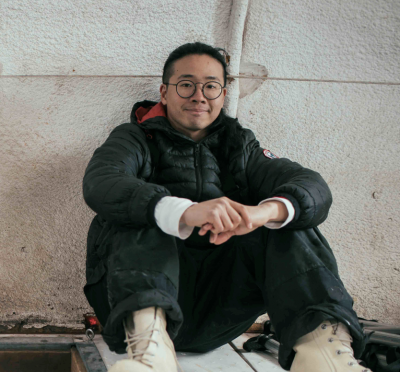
[
  {"x": 168, "y": 213},
  {"x": 290, "y": 209}
]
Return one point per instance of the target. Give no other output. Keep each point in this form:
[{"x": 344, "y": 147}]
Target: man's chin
[
  {"x": 199, "y": 121},
  {"x": 198, "y": 124}
]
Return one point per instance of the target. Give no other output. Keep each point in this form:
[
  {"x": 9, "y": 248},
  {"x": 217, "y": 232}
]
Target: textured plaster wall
[
  {"x": 355, "y": 40},
  {"x": 52, "y": 121},
  {"x": 349, "y": 132},
  {"x": 50, "y": 128},
  {"x": 120, "y": 37}
]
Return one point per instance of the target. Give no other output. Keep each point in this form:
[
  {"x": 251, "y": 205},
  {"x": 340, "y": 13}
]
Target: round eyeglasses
[{"x": 186, "y": 89}]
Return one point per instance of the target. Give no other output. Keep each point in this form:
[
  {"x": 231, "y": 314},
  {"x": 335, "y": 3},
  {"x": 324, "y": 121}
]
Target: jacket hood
[
  {"x": 153, "y": 115},
  {"x": 140, "y": 111},
  {"x": 143, "y": 113}
]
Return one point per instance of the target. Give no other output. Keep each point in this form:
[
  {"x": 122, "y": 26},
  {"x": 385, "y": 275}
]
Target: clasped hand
[{"x": 224, "y": 217}]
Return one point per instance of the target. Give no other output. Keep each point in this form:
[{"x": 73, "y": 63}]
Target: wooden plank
[
  {"x": 256, "y": 328},
  {"x": 77, "y": 364},
  {"x": 260, "y": 361},
  {"x": 29, "y": 361}
]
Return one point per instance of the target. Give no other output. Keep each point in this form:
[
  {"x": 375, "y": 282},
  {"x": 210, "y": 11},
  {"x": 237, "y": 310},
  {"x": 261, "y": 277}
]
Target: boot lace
[
  {"x": 144, "y": 336},
  {"x": 346, "y": 339},
  {"x": 138, "y": 337}
]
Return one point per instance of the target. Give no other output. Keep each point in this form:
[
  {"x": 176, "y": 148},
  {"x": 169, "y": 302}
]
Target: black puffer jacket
[
  {"x": 122, "y": 187},
  {"x": 116, "y": 183}
]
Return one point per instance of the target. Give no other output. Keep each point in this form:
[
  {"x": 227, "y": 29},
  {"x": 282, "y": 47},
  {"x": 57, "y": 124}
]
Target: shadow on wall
[
  {"x": 44, "y": 244},
  {"x": 53, "y": 127}
]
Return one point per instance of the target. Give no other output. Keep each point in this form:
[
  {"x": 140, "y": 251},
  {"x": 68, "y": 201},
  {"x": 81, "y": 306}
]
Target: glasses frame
[{"x": 195, "y": 84}]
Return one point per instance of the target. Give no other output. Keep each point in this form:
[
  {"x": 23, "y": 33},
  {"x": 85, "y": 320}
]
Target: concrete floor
[{"x": 230, "y": 357}]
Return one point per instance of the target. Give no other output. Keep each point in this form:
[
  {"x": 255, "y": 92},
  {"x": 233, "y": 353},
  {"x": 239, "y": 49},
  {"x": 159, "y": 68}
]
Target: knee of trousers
[
  {"x": 141, "y": 259},
  {"x": 301, "y": 274},
  {"x": 294, "y": 252}
]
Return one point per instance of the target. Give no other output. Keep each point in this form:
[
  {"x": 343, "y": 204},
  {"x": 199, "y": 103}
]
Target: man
[{"x": 199, "y": 231}]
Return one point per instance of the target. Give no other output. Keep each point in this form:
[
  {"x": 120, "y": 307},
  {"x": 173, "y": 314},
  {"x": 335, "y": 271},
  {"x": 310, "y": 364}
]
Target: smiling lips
[{"x": 197, "y": 111}]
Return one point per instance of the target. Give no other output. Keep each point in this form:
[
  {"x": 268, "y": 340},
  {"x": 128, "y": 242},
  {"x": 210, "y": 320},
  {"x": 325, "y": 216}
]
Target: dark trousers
[{"x": 290, "y": 274}]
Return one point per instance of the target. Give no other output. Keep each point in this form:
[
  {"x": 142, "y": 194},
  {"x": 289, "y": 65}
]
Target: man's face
[{"x": 191, "y": 116}]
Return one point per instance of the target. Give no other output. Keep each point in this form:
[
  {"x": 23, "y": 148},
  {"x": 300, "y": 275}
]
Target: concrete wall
[
  {"x": 347, "y": 130},
  {"x": 70, "y": 73}
]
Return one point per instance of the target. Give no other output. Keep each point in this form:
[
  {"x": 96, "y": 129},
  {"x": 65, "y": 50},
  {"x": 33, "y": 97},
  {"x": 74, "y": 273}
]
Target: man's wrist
[
  {"x": 168, "y": 213},
  {"x": 184, "y": 214},
  {"x": 273, "y": 211}
]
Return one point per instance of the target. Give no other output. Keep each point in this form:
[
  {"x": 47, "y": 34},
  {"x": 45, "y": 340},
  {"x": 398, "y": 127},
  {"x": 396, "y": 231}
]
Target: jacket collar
[{"x": 151, "y": 115}]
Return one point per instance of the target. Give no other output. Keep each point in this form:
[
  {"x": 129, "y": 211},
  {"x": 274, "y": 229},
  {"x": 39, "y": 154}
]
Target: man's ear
[
  {"x": 224, "y": 92},
  {"x": 163, "y": 93}
]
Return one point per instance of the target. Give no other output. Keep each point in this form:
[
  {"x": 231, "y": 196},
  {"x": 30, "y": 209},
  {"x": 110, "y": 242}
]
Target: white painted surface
[
  {"x": 101, "y": 37},
  {"x": 313, "y": 39},
  {"x": 234, "y": 47},
  {"x": 222, "y": 359}
]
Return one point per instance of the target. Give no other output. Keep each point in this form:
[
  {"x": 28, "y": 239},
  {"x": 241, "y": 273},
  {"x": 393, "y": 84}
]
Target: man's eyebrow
[
  {"x": 212, "y": 78},
  {"x": 185, "y": 76},
  {"x": 206, "y": 77}
]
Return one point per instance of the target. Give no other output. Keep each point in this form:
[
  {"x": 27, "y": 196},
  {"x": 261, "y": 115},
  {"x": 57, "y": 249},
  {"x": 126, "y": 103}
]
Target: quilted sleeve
[
  {"x": 114, "y": 184},
  {"x": 306, "y": 189}
]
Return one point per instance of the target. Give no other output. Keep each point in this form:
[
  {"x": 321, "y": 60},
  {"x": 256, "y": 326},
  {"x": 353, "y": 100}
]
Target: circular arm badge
[{"x": 270, "y": 155}]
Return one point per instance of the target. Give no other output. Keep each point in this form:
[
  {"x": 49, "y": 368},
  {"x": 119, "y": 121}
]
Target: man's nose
[{"x": 198, "y": 95}]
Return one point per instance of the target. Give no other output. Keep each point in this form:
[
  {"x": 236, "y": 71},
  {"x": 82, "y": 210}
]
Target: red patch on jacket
[
  {"x": 270, "y": 155},
  {"x": 144, "y": 113}
]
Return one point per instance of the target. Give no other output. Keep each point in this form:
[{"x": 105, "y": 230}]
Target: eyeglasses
[{"x": 186, "y": 89}]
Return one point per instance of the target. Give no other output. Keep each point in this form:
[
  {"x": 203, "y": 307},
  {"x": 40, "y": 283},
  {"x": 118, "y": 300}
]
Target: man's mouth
[{"x": 196, "y": 111}]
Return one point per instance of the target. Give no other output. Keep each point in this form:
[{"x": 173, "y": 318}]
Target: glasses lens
[
  {"x": 185, "y": 88},
  {"x": 212, "y": 90}
]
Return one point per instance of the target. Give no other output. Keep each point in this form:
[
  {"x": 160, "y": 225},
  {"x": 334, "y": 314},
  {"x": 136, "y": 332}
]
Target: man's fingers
[
  {"x": 213, "y": 237},
  {"x": 216, "y": 222},
  {"x": 234, "y": 216},
  {"x": 206, "y": 227},
  {"x": 227, "y": 220},
  {"x": 222, "y": 213},
  {"x": 221, "y": 238},
  {"x": 228, "y": 216},
  {"x": 220, "y": 218},
  {"x": 242, "y": 210}
]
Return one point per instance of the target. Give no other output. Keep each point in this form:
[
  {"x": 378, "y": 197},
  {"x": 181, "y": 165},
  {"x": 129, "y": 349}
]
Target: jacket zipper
[
  {"x": 197, "y": 165},
  {"x": 198, "y": 171}
]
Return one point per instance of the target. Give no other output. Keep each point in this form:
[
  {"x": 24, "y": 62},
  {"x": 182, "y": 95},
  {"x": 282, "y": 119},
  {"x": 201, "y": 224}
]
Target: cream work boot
[
  {"x": 149, "y": 347},
  {"x": 326, "y": 349}
]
